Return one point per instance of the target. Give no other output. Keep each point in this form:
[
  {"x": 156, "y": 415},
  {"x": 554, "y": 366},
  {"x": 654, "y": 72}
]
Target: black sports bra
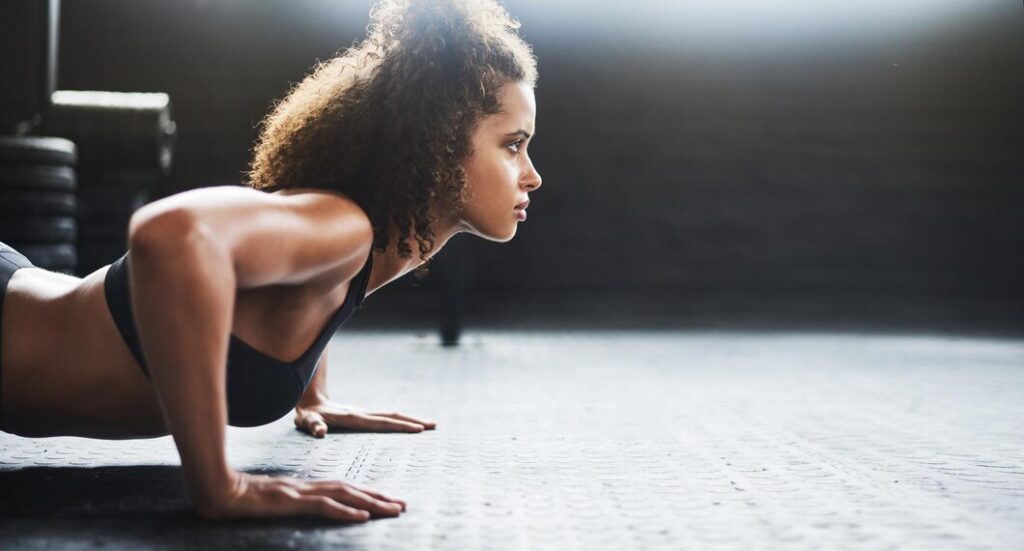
[{"x": 260, "y": 389}]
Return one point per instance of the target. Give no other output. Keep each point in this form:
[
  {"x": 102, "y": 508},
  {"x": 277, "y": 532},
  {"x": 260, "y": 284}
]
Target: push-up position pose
[{"x": 222, "y": 309}]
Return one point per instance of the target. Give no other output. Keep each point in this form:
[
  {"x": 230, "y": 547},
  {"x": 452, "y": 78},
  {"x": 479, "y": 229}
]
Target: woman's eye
[{"x": 514, "y": 146}]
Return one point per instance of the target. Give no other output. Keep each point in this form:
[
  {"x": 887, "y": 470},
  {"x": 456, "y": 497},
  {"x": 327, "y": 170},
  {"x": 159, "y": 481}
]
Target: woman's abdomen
[{"x": 70, "y": 373}]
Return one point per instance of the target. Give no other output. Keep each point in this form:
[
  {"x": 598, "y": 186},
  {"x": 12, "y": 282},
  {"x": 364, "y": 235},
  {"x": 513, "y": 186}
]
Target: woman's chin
[
  {"x": 499, "y": 237},
  {"x": 510, "y": 233},
  {"x": 492, "y": 233}
]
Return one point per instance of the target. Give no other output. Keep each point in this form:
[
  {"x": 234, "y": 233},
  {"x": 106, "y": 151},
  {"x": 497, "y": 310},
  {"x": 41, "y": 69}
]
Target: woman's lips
[{"x": 520, "y": 209}]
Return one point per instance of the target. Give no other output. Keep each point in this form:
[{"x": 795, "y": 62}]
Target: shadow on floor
[
  {"x": 89, "y": 492},
  {"x": 123, "y": 503}
]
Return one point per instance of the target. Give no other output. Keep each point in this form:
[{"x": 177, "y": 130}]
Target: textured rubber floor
[{"x": 598, "y": 440}]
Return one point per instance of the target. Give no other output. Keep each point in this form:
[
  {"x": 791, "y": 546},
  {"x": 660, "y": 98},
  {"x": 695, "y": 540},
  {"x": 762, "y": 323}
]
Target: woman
[{"x": 221, "y": 311}]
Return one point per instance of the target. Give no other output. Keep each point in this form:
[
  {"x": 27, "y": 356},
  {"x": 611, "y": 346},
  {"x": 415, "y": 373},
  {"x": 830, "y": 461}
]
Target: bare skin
[{"x": 269, "y": 268}]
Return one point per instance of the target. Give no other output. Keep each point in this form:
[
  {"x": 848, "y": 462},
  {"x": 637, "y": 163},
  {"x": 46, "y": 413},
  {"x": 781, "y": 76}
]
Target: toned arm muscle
[{"x": 190, "y": 254}]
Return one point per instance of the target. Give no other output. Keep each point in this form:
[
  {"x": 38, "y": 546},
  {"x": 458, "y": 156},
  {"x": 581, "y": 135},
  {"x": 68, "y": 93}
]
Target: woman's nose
[{"x": 532, "y": 179}]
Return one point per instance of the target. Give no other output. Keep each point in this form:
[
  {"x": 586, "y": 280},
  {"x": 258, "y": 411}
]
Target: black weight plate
[
  {"x": 37, "y": 150},
  {"x": 37, "y": 178},
  {"x": 38, "y": 230},
  {"x": 50, "y": 257},
  {"x": 37, "y": 203},
  {"x": 115, "y": 129}
]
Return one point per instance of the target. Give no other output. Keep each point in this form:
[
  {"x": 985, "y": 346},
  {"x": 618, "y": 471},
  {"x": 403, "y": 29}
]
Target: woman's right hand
[{"x": 269, "y": 496}]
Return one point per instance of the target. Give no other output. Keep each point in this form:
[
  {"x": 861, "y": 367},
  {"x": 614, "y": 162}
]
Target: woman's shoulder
[
  {"x": 341, "y": 219},
  {"x": 286, "y": 236},
  {"x": 331, "y": 202}
]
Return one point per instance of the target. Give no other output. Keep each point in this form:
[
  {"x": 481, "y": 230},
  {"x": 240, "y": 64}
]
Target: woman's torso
[{"x": 67, "y": 371}]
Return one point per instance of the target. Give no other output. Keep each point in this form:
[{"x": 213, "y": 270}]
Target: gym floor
[{"x": 608, "y": 439}]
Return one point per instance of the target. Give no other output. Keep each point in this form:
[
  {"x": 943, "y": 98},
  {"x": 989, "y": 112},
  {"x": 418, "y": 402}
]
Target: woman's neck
[{"x": 388, "y": 266}]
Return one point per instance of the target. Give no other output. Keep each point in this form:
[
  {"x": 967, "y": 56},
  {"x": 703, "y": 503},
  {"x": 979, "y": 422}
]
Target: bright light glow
[{"x": 742, "y": 23}]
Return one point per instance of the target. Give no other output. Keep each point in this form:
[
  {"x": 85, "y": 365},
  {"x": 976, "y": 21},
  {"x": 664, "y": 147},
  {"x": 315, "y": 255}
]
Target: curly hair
[{"x": 388, "y": 121}]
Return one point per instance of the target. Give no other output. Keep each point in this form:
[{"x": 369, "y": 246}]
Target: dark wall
[
  {"x": 895, "y": 168},
  {"x": 886, "y": 164},
  {"x": 26, "y": 61}
]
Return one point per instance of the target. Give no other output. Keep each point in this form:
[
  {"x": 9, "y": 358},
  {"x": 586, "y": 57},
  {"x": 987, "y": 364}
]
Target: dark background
[{"x": 823, "y": 164}]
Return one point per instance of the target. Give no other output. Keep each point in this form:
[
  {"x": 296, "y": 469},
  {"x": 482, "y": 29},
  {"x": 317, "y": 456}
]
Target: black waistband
[{"x": 119, "y": 302}]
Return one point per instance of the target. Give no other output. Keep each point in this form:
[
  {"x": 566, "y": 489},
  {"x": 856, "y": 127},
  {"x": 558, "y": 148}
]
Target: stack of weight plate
[
  {"x": 37, "y": 199},
  {"x": 106, "y": 201},
  {"x": 125, "y": 144}
]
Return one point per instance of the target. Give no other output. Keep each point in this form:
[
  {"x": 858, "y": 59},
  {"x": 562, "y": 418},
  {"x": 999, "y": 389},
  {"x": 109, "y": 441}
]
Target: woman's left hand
[{"x": 317, "y": 418}]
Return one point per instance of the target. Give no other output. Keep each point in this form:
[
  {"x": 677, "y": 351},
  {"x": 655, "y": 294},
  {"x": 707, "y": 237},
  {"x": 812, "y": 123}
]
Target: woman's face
[{"x": 499, "y": 173}]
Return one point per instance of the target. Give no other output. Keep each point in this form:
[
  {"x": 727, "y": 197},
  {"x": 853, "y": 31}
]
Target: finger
[
  {"x": 303, "y": 418},
  {"x": 353, "y": 497},
  {"x": 379, "y": 495},
  {"x": 312, "y": 423},
  {"x": 318, "y": 428},
  {"x": 372, "y": 423},
  {"x": 396, "y": 425},
  {"x": 429, "y": 425},
  {"x": 324, "y": 506},
  {"x": 379, "y": 507}
]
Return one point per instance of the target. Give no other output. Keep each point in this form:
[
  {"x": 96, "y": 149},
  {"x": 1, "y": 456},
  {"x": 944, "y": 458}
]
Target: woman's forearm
[
  {"x": 316, "y": 392},
  {"x": 183, "y": 292}
]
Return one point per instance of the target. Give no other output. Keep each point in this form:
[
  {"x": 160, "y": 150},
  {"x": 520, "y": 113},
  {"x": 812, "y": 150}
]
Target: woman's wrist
[
  {"x": 214, "y": 490},
  {"x": 313, "y": 398}
]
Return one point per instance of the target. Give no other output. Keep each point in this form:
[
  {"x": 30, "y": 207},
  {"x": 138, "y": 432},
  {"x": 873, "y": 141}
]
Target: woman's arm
[
  {"x": 182, "y": 289},
  {"x": 315, "y": 412},
  {"x": 190, "y": 254},
  {"x": 316, "y": 392}
]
